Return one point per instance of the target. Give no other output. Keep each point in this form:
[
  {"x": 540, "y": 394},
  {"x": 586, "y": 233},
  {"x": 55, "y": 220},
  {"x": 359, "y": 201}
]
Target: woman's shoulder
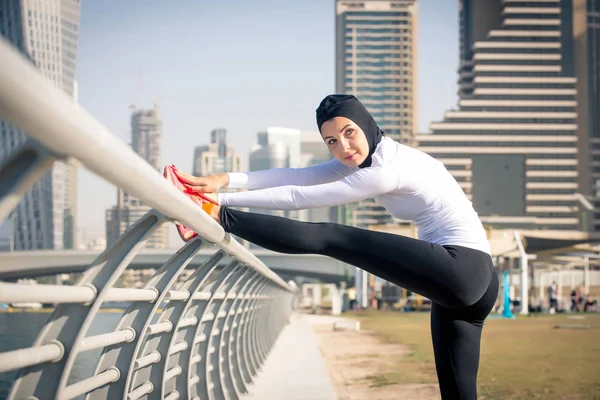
[{"x": 391, "y": 152}]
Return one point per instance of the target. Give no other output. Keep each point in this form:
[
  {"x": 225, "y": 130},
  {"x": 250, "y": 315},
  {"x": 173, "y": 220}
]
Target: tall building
[
  {"x": 512, "y": 144},
  {"x": 146, "y": 136},
  {"x": 47, "y": 33},
  {"x": 6, "y": 236},
  {"x": 216, "y": 157},
  {"x": 476, "y": 19},
  {"x": 376, "y": 60},
  {"x": 127, "y": 212},
  {"x": 276, "y": 147},
  {"x": 313, "y": 151},
  {"x": 290, "y": 148},
  {"x": 586, "y": 31}
]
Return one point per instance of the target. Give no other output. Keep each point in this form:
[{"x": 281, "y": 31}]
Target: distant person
[
  {"x": 591, "y": 303},
  {"x": 578, "y": 298},
  {"x": 449, "y": 264},
  {"x": 574, "y": 306},
  {"x": 352, "y": 298},
  {"x": 581, "y": 297},
  {"x": 552, "y": 298}
]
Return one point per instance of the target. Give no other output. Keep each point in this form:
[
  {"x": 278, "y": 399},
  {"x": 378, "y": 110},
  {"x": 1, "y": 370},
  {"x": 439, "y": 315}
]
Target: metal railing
[{"x": 204, "y": 339}]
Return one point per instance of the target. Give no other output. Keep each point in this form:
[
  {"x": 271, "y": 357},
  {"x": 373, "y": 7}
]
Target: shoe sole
[{"x": 184, "y": 232}]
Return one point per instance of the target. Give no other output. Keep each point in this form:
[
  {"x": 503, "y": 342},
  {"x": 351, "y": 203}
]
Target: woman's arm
[
  {"x": 317, "y": 174},
  {"x": 361, "y": 185}
]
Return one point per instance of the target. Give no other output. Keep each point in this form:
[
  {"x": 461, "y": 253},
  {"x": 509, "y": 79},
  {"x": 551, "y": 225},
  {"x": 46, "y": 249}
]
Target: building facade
[
  {"x": 216, "y": 157},
  {"x": 276, "y": 147},
  {"x": 512, "y": 143},
  {"x": 47, "y": 33},
  {"x": 313, "y": 151},
  {"x": 376, "y": 60},
  {"x": 127, "y": 212},
  {"x": 586, "y": 30},
  {"x": 146, "y": 140},
  {"x": 146, "y": 135}
]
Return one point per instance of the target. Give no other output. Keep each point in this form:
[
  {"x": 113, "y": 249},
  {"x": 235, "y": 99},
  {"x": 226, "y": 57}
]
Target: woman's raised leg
[{"x": 452, "y": 276}]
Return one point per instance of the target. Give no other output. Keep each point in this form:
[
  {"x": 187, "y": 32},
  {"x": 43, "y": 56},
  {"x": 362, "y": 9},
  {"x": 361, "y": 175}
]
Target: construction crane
[{"x": 142, "y": 89}]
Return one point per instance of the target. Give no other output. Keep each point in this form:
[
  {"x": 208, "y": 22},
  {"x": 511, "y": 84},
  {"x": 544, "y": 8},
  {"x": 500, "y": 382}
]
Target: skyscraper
[
  {"x": 146, "y": 136},
  {"x": 586, "y": 30},
  {"x": 512, "y": 144},
  {"x": 276, "y": 147},
  {"x": 313, "y": 151},
  {"x": 376, "y": 60},
  {"x": 290, "y": 148},
  {"x": 47, "y": 33},
  {"x": 216, "y": 157},
  {"x": 476, "y": 19}
]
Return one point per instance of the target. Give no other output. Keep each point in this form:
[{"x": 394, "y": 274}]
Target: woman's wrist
[{"x": 224, "y": 178}]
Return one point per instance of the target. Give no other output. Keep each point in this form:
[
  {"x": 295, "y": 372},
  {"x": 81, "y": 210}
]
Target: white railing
[{"x": 203, "y": 339}]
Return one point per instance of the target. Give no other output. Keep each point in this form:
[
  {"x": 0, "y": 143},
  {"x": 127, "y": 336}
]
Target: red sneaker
[{"x": 169, "y": 172}]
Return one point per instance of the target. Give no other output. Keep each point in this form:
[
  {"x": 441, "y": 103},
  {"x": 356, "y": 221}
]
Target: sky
[{"x": 240, "y": 65}]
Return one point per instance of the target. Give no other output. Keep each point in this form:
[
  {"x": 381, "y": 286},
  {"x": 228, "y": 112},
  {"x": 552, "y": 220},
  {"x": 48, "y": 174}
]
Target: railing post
[
  {"x": 173, "y": 314},
  {"x": 238, "y": 364},
  {"x": 205, "y": 328},
  {"x": 138, "y": 317},
  {"x": 250, "y": 345},
  {"x": 220, "y": 391},
  {"x": 69, "y": 323},
  {"x": 243, "y": 334},
  {"x": 229, "y": 373}
]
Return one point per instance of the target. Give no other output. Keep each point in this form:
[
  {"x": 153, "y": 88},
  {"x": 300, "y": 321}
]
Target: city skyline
[
  {"x": 232, "y": 103},
  {"x": 201, "y": 86},
  {"x": 216, "y": 157}
]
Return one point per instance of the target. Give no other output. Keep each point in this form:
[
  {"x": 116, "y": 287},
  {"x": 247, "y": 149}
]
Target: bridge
[
  {"x": 208, "y": 337},
  {"x": 27, "y": 264}
]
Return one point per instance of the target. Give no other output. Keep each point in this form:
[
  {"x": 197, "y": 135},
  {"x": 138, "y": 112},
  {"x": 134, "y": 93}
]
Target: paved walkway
[{"x": 295, "y": 368}]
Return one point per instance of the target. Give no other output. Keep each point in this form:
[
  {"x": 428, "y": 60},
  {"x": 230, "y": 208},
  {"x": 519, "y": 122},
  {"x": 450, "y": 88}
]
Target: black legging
[{"x": 461, "y": 282}]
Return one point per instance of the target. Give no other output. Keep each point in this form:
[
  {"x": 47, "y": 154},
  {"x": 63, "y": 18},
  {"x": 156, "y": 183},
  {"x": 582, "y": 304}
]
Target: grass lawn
[{"x": 524, "y": 358}]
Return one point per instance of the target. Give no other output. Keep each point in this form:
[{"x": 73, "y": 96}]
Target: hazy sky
[{"x": 241, "y": 65}]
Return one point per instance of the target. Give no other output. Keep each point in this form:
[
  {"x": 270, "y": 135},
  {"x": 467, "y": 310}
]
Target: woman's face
[{"x": 345, "y": 140}]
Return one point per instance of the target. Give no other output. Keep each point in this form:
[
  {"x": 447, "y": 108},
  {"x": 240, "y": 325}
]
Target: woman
[{"x": 449, "y": 264}]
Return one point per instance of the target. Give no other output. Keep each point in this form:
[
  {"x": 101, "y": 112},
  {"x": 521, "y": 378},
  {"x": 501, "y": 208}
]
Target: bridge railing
[{"x": 204, "y": 338}]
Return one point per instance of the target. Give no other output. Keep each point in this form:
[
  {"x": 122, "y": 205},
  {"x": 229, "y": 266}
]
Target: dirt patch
[{"x": 357, "y": 361}]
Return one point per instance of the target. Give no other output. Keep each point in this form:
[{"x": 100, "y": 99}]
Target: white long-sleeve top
[{"x": 409, "y": 183}]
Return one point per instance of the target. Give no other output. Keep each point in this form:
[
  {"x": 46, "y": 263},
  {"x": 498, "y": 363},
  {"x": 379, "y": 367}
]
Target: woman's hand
[{"x": 203, "y": 184}]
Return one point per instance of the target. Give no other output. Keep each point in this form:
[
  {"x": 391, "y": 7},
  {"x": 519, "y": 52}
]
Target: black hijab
[{"x": 348, "y": 106}]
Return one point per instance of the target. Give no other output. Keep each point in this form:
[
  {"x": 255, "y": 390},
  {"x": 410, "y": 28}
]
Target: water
[{"x": 19, "y": 330}]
